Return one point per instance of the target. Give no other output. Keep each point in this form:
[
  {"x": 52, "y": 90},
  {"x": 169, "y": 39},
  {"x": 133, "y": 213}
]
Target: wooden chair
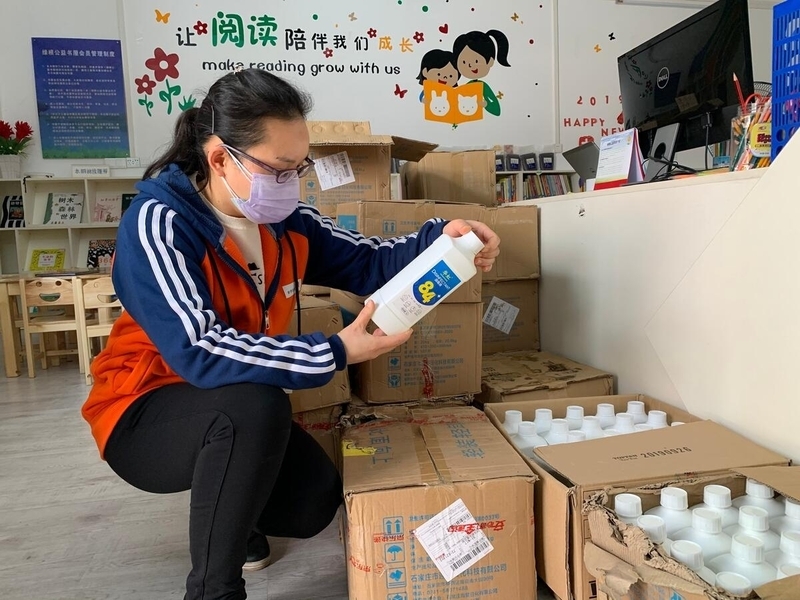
[
  {"x": 46, "y": 294},
  {"x": 96, "y": 296}
]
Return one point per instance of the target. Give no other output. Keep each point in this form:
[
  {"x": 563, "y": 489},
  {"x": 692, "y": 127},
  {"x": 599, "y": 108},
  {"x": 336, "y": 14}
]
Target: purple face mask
[{"x": 269, "y": 201}]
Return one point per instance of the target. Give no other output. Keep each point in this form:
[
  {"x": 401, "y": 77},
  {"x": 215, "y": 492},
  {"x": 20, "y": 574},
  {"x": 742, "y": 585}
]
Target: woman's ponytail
[{"x": 184, "y": 149}]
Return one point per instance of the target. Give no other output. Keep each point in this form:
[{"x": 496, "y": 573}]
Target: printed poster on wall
[
  {"x": 453, "y": 73},
  {"x": 80, "y": 96}
]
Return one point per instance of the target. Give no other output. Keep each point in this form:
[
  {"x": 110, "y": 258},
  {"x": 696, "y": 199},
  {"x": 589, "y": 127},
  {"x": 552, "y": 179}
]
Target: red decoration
[
  {"x": 372, "y": 32},
  {"x": 201, "y": 28},
  {"x": 444, "y": 28},
  {"x": 399, "y": 92},
  {"x": 419, "y": 37},
  {"x": 328, "y": 53},
  {"x": 145, "y": 85},
  {"x": 163, "y": 65}
]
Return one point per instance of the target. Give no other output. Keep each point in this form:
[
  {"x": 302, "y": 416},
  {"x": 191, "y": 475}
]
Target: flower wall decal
[{"x": 164, "y": 67}]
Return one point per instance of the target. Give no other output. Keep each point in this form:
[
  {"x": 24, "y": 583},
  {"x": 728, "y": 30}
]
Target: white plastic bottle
[
  {"x": 606, "y": 415},
  {"x": 763, "y": 496},
  {"x": 656, "y": 530},
  {"x": 576, "y": 436},
  {"x": 558, "y": 433},
  {"x": 691, "y": 555},
  {"x": 511, "y": 421},
  {"x": 527, "y": 439},
  {"x": 674, "y": 509},
  {"x": 642, "y": 427},
  {"x": 788, "y": 522},
  {"x": 636, "y": 408},
  {"x": 543, "y": 418},
  {"x": 718, "y": 499},
  {"x": 788, "y": 571},
  {"x": 657, "y": 419},
  {"x": 628, "y": 508},
  {"x": 754, "y": 521},
  {"x": 733, "y": 583},
  {"x": 591, "y": 427},
  {"x": 706, "y": 532},
  {"x": 574, "y": 417},
  {"x": 427, "y": 280},
  {"x": 788, "y": 553},
  {"x": 624, "y": 424},
  {"x": 746, "y": 558}
]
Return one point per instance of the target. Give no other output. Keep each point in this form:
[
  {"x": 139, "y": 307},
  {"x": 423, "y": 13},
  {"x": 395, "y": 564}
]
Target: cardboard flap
[
  {"x": 702, "y": 446},
  {"x": 337, "y": 133},
  {"x": 614, "y": 576},
  {"x": 784, "y": 480},
  {"x": 412, "y": 150},
  {"x": 385, "y": 455},
  {"x": 529, "y": 371}
]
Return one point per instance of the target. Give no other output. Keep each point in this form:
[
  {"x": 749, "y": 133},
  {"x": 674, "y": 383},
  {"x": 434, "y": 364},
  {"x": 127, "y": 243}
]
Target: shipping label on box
[
  {"x": 511, "y": 316},
  {"x": 449, "y": 467}
]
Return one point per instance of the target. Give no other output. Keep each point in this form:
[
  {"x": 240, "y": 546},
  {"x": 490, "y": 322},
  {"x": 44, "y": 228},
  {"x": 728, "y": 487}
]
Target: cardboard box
[
  {"x": 525, "y": 375},
  {"x": 511, "y": 316},
  {"x": 359, "y": 412},
  {"x": 453, "y": 177},
  {"x": 315, "y": 290},
  {"x": 370, "y": 160},
  {"x": 640, "y": 570},
  {"x": 324, "y": 316},
  {"x": 392, "y": 219},
  {"x": 441, "y": 359},
  {"x": 518, "y": 228},
  {"x": 643, "y": 463},
  {"x": 322, "y": 425},
  {"x": 400, "y": 474}
]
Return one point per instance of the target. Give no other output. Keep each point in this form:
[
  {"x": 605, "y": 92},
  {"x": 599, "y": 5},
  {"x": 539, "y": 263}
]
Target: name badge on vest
[{"x": 290, "y": 289}]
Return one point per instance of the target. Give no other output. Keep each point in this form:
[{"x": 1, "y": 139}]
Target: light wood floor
[{"x": 70, "y": 529}]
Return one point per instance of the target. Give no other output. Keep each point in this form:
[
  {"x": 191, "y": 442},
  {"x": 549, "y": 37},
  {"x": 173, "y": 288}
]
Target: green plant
[{"x": 14, "y": 140}]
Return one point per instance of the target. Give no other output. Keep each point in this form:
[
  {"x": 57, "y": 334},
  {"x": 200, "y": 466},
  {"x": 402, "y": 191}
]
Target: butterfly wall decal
[
  {"x": 399, "y": 92},
  {"x": 162, "y": 17}
]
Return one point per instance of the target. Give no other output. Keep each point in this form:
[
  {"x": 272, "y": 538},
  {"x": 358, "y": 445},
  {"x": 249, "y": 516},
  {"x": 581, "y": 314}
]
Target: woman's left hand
[{"x": 491, "y": 242}]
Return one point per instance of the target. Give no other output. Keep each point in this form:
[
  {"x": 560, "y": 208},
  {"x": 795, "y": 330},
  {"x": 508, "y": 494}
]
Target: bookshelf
[
  {"x": 513, "y": 186},
  {"x": 18, "y": 243}
]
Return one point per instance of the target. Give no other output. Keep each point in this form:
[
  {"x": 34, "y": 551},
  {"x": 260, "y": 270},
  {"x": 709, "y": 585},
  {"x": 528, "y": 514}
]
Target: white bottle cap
[
  {"x": 469, "y": 242},
  {"x": 576, "y": 436},
  {"x": 753, "y": 518},
  {"x": 574, "y": 412},
  {"x": 559, "y": 427},
  {"x": 758, "y": 490},
  {"x": 624, "y": 423},
  {"x": 717, "y": 496},
  {"x": 513, "y": 416},
  {"x": 591, "y": 425},
  {"x": 636, "y": 407},
  {"x": 688, "y": 553},
  {"x": 788, "y": 570},
  {"x": 643, "y": 427},
  {"x": 653, "y": 526},
  {"x": 792, "y": 508},
  {"x": 790, "y": 543},
  {"x": 543, "y": 414},
  {"x": 605, "y": 410},
  {"x": 657, "y": 419},
  {"x": 674, "y": 498},
  {"x": 676, "y": 423},
  {"x": 628, "y": 506},
  {"x": 706, "y": 520},
  {"x": 747, "y": 548},
  {"x": 733, "y": 583},
  {"x": 527, "y": 428}
]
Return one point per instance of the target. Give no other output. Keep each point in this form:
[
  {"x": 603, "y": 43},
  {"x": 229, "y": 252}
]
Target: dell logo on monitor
[{"x": 663, "y": 78}]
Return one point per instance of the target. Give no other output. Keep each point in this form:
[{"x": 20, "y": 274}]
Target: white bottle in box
[
  {"x": 527, "y": 439},
  {"x": 576, "y": 436},
  {"x": 656, "y": 530},
  {"x": 427, "y": 280},
  {"x": 674, "y": 509},
  {"x": 574, "y": 417},
  {"x": 543, "y": 418},
  {"x": 511, "y": 421},
  {"x": 606, "y": 415},
  {"x": 636, "y": 408},
  {"x": 706, "y": 532},
  {"x": 718, "y": 499},
  {"x": 733, "y": 583},
  {"x": 558, "y": 433},
  {"x": 788, "y": 571},
  {"x": 788, "y": 522},
  {"x": 763, "y": 496},
  {"x": 691, "y": 555},
  {"x": 788, "y": 553},
  {"x": 628, "y": 508},
  {"x": 591, "y": 427},
  {"x": 657, "y": 419},
  {"x": 624, "y": 424},
  {"x": 754, "y": 521},
  {"x": 746, "y": 558},
  {"x": 642, "y": 427}
]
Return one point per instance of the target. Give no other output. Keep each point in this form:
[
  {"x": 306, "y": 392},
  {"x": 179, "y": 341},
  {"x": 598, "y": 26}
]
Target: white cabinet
[{"x": 72, "y": 235}]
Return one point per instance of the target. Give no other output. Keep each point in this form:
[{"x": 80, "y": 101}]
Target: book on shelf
[
  {"x": 63, "y": 209},
  {"x": 47, "y": 259},
  {"x": 107, "y": 209},
  {"x": 126, "y": 202},
  {"x": 12, "y": 212},
  {"x": 100, "y": 254}
]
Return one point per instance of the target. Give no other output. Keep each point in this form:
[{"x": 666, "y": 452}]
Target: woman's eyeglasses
[{"x": 281, "y": 176}]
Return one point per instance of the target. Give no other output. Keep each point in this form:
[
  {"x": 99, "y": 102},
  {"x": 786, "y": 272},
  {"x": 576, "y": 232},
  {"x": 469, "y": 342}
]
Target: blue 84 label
[{"x": 435, "y": 284}]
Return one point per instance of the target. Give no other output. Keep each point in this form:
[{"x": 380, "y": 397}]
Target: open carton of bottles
[{"x": 628, "y": 566}]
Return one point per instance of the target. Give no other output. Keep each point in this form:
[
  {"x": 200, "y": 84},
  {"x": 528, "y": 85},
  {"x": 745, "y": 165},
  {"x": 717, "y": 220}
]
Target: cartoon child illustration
[
  {"x": 438, "y": 66},
  {"x": 475, "y": 53}
]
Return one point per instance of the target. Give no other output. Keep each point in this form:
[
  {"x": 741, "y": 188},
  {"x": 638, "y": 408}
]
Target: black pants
[{"x": 248, "y": 465}]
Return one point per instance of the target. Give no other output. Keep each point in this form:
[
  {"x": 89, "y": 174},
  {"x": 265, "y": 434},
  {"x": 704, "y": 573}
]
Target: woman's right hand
[{"x": 360, "y": 345}]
